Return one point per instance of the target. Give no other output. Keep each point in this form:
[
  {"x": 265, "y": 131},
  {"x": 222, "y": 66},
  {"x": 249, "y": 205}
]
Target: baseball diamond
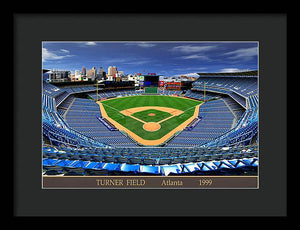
[{"x": 168, "y": 115}]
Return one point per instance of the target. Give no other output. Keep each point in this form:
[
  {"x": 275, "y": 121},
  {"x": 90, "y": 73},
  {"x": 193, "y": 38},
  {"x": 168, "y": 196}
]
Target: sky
[{"x": 162, "y": 58}]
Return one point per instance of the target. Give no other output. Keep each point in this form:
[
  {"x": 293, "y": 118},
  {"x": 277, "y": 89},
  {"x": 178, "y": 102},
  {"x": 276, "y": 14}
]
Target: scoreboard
[
  {"x": 173, "y": 85},
  {"x": 150, "y": 80}
]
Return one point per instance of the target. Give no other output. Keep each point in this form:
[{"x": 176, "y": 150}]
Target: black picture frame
[{"x": 31, "y": 29}]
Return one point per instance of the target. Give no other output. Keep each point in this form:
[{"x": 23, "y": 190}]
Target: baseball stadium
[{"x": 209, "y": 129}]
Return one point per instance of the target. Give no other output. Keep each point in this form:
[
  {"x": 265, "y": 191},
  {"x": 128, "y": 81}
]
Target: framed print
[
  {"x": 150, "y": 115},
  {"x": 144, "y": 114}
]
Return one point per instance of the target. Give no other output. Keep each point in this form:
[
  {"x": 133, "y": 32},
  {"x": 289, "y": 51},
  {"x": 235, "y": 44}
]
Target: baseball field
[{"x": 150, "y": 119}]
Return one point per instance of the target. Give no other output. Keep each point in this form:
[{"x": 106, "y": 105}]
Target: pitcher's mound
[
  {"x": 151, "y": 126},
  {"x": 151, "y": 114}
]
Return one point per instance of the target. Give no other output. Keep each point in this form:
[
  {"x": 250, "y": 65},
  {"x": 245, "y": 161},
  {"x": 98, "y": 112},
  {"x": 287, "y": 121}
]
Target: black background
[{"x": 29, "y": 32}]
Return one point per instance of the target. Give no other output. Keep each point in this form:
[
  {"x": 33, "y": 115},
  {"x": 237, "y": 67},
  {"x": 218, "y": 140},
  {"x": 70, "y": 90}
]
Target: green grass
[
  {"x": 159, "y": 115},
  {"x": 114, "y": 105},
  {"x": 150, "y": 89}
]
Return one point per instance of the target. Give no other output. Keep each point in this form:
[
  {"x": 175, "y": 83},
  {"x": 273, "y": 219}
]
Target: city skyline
[{"x": 163, "y": 58}]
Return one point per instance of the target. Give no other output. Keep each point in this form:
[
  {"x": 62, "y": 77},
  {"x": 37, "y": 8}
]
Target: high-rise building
[
  {"x": 77, "y": 76},
  {"x": 92, "y": 73},
  {"x": 109, "y": 71},
  {"x": 59, "y": 75},
  {"x": 83, "y": 71},
  {"x": 101, "y": 69},
  {"x": 112, "y": 70},
  {"x": 77, "y": 72},
  {"x": 100, "y": 73}
]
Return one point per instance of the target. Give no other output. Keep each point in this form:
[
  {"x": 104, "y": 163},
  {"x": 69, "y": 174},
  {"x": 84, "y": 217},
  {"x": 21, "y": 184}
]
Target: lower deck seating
[
  {"x": 169, "y": 92},
  {"x": 114, "y": 93},
  {"x": 215, "y": 120},
  {"x": 82, "y": 116}
]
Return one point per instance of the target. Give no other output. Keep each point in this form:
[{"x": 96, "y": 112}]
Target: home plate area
[{"x": 151, "y": 126}]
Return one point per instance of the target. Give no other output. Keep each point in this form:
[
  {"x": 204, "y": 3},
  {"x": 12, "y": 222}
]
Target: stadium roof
[
  {"x": 45, "y": 70},
  {"x": 240, "y": 74},
  {"x": 150, "y": 75}
]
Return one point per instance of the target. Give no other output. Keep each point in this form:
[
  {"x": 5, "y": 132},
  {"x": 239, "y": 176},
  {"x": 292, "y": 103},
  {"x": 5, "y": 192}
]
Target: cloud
[
  {"x": 191, "y": 69},
  {"x": 50, "y": 55},
  {"x": 188, "y": 75},
  {"x": 90, "y": 43},
  {"x": 245, "y": 53},
  {"x": 87, "y": 44},
  {"x": 232, "y": 70},
  {"x": 192, "y": 49},
  {"x": 123, "y": 61},
  {"x": 64, "y": 51},
  {"x": 137, "y": 62},
  {"x": 146, "y": 45},
  {"x": 195, "y": 56},
  {"x": 141, "y": 44}
]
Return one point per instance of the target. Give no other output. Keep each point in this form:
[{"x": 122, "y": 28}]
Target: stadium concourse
[{"x": 223, "y": 139}]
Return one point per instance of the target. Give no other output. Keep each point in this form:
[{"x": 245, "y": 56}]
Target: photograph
[{"x": 150, "y": 114}]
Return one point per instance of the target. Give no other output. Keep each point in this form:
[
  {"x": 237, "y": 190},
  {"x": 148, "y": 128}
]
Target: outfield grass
[{"x": 113, "y": 106}]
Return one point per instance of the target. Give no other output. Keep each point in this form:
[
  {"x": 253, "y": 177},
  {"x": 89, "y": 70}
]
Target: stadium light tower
[
  {"x": 97, "y": 90},
  {"x": 204, "y": 91}
]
